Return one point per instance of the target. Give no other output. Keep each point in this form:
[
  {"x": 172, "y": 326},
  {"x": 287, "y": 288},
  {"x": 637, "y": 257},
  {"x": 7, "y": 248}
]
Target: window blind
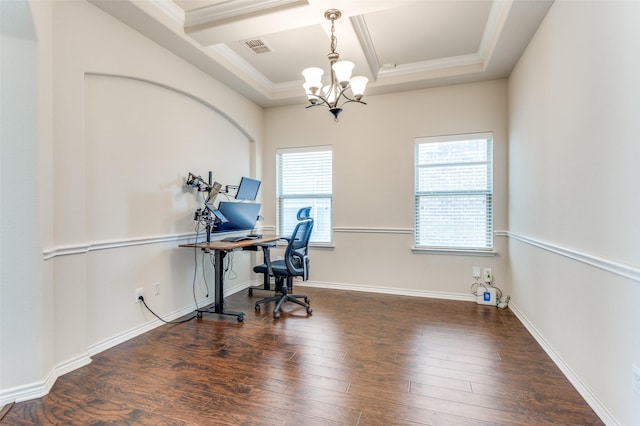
[
  {"x": 454, "y": 192},
  {"x": 304, "y": 178}
]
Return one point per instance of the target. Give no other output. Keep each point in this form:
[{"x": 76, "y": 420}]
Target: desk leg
[{"x": 218, "y": 292}]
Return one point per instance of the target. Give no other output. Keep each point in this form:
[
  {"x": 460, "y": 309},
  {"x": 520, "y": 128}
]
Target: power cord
[
  {"x": 475, "y": 286},
  {"x": 231, "y": 273},
  {"x": 501, "y": 302},
  {"x": 141, "y": 298}
]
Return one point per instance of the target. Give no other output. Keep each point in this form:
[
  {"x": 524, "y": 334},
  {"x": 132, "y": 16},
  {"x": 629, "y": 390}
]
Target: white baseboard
[
  {"x": 143, "y": 328},
  {"x": 41, "y": 388},
  {"x": 389, "y": 290},
  {"x": 593, "y": 401}
]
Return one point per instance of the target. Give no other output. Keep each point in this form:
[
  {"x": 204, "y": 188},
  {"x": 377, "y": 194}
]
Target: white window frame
[
  {"x": 321, "y": 199},
  {"x": 482, "y": 240}
]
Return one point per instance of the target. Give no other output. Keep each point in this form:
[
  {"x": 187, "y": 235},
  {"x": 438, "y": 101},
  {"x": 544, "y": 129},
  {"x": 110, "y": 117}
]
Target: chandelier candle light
[{"x": 341, "y": 80}]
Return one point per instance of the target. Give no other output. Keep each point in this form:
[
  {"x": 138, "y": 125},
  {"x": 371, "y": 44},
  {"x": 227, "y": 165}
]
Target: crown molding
[
  {"x": 172, "y": 10},
  {"x": 362, "y": 32},
  {"x": 495, "y": 25},
  {"x": 494, "y": 28},
  {"x": 230, "y": 10}
]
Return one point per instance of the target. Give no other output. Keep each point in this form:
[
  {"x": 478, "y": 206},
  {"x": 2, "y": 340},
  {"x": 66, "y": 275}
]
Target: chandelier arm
[
  {"x": 348, "y": 99},
  {"x": 323, "y": 101},
  {"x": 352, "y": 100},
  {"x": 315, "y": 105},
  {"x": 343, "y": 94}
]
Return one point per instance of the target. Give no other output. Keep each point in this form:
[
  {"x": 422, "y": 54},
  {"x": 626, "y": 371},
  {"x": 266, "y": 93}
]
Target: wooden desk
[{"x": 220, "y": 250}]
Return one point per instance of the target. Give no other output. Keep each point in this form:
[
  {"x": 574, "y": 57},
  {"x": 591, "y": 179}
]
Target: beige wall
[
  {"x": 573, "y": 200},
  {"x": 121, "y": 122},
  {"x": 373, "y": 155},
  {"x": 26, "y": 313}
]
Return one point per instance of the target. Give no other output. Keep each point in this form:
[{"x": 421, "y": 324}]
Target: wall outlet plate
[
  {"x": 476, "y": 272},
  {"x": 138, "y": 294},
  {"x": 488, "y": 276}
]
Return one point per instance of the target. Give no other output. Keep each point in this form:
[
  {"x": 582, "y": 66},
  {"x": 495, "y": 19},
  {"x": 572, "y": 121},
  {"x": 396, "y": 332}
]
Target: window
[
  {"x": 305, "y": 179},
  {"x": 454, "y": 192}
]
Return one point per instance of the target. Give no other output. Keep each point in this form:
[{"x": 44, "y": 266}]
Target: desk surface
[
  {"x": 231, "y": 245},
  {"x": 220, "y": 249}
]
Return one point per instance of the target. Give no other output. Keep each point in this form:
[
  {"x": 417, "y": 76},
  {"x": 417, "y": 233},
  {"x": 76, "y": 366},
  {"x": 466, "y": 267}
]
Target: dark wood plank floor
[{"x": 360, "y": 359}]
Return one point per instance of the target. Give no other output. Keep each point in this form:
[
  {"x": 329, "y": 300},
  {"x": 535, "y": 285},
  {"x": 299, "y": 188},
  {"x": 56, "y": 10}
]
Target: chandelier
[{"x": 335, "y": 94}]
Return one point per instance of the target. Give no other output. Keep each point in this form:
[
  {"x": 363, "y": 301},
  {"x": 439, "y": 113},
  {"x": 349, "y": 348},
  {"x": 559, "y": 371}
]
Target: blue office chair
[{"x": 295, "y": 263}]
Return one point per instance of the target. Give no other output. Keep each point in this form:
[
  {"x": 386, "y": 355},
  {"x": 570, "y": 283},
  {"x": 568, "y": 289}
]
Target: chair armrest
[
  {"x": 266, "y": 255},
  {"x": 263, "y": 245}
]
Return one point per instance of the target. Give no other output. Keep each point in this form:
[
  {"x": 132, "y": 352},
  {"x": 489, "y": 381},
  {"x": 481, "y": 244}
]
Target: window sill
[{"x": 457, "y": 252}]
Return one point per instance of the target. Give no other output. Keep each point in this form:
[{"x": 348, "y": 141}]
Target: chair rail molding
[
  {"x": 624, "y": 270},
  {"x": 82, "y": 248},
  {"x": 363, "y": 230}
]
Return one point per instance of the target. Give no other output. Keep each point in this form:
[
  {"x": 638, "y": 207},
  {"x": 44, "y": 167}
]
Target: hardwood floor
[{"x": 360, "y": 359}]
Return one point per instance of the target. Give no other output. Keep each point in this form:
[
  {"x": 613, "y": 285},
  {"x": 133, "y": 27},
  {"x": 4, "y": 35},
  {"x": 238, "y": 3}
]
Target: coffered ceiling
[{"x": 260, "y": 47}]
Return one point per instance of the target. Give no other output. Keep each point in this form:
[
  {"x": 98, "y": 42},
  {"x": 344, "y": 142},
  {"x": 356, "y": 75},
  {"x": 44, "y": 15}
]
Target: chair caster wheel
[
  {"x": 276, "y": 315},
  {"x": 240, "y": 317},
  {"x": 250, "y": 292},
  {"x": 309, "y": 310},
  {"x": 199, "y": 315},
  {"x": 257, "y": 308},
  {"x": 306, "y": 300}
]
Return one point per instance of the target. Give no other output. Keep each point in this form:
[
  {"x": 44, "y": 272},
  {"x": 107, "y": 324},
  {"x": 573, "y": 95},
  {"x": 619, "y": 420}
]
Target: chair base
[{"x": 283, "y": 298}]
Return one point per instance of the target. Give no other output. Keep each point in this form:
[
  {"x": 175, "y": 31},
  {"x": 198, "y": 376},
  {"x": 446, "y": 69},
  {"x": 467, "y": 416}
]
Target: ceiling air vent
[{"x": 257, "y": 46}]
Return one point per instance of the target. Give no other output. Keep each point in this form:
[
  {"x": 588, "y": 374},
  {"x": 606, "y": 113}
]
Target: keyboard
[{"x": 240, "y": 238}]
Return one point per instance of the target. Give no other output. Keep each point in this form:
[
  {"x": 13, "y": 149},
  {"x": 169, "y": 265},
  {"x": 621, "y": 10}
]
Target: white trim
[
  {"x": 225, "y": 11},
  {"x": 591, "y": 399},
  {"x": 621, "y": 269},
  {"x": 389, "y": 290},
  {"x": 432, "y": 65},
  {"x": 72, "y": 364},
  {"x": 154, "y": 323},
  {"x": 41, "y": 388},
  {"x": 202, "y": 101},
  {"x": 171, "y": 9},
  {"x": 362, "y": 32},
  {"x": 310, "y": 148},
  {"x": 50, "y": 253},
  {"x": 362, "y": 230},
  {"x": 493, "y": 29},
  {"x": 456, "y": 252},
  {"x": 143, "y": 328}
]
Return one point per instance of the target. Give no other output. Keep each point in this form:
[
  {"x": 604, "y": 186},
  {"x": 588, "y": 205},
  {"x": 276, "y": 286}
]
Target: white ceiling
[{"x": 398, "y": 44}]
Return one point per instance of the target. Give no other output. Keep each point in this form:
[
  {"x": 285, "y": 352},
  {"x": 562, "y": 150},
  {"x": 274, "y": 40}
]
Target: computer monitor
[
  {"x": 216, "y": 213},
  {"x": 239, "y": 215},
  {"x": 248, "y": 189}
]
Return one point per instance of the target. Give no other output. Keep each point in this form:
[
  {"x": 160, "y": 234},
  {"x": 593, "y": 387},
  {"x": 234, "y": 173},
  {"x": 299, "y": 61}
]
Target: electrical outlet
[
  {"x": 488, "y": 276},
  {"x": 156, "y": 288},
  {"x": 476, "y": 272},
  {"x": 636, "y": 378},
  {"x": 138, "y": 294}
]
